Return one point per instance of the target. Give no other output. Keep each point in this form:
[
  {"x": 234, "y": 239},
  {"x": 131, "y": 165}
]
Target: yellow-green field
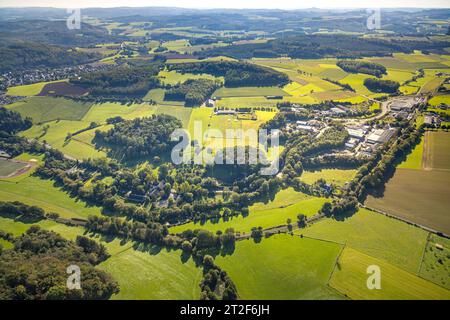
[
  {"x": 335, "y": 176},
  {"x": 350, "y": 278}
]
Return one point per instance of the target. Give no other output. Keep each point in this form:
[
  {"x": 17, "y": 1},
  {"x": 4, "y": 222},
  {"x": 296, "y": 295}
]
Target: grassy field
[
  {"x": 335, "y": 176},
  {"x": 438, "y": 100},
  {"x": 153, "y": 275},
  {"x": 436, "y": 262},
  {"x": 414, "y": 159},
  {"x": 282, "y": 267},
  {"x": 9, "y": 167},
  {"x": 173, "y": 77},
  {"x": 374, "y": 234},
  {"x": 437, "y": 150},
  {"x": 249, "y": 92},
  {"x": 42, "y": 193},
  {"x": 43, "y": 109},
  {"x": 350, "y": 278},
  {"x": 287, "y": 205},
  {"x": 29, "y": 89},
  {"x": 140, "y": 273},
  {"x": 417, "y": 195}
]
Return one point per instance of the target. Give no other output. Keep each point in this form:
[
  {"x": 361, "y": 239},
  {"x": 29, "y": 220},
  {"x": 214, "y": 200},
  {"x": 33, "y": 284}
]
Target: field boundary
[{"x": 439, "y": 233}]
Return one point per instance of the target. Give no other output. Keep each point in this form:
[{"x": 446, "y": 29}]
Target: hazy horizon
[{"x": 230, "y": 4}]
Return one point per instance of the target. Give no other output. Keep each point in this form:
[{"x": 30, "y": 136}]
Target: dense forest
[
  {"x": 377, "y": 85},
  {"x": 320, "y": 46},
  {"x": 193, "y": 91},
  {"x": 35, "y": 269},
  {"x": 140, "y": 137},
  {"x": 124, "y": 80},
  {"x": 375, "y": 69},
  {"x": 236, "y": 74},
  {"x": 21, "y": 55}
]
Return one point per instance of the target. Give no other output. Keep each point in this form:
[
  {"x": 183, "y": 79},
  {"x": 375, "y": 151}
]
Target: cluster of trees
[
  {"x": 193, "y": 91},
  {"x": 12, "y": 122},
  {"x": 150, "y": 232},
  {"x": 140, "y": 137},
  {"x": 236, "y": 74},
  {"x": 20, "y": 210},
  {"x": 366, "y": 67},
  {"x": 216, "y": 284},
  {"x": 300, "y": 146},
  {"x": 124, "y": 80},
  {"x": 377, "y": 85},
  {"x": 35, "y": 269}
]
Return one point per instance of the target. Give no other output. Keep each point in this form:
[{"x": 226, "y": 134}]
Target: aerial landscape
[{"x": 174, "y": 153}]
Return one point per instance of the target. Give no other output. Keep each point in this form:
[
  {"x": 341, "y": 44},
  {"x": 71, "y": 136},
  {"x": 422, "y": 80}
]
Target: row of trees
[
  {"x": 366, "y": 67},
  {"x": 193, "y": 91},
  {"x": 236, "y": 74}
]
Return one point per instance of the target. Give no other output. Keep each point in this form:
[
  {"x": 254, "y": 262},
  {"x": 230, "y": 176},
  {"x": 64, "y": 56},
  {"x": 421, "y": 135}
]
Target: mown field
[
  {"x": 286, "y": 205},
  {"x": 35, "y": 191},
  {"x": 249, "y": 92},
  {"x": 350, "y": 278},
  {"x": 282, "y": 267},
  {"x": 335, "y": 176},
  {"x": 418, "y": 195},
  {"x": 44, "y": 109},
  {"x": 376, "y": 235},
  {"x": 9, "y": 167},
  {"x": 149, "y": 274}
]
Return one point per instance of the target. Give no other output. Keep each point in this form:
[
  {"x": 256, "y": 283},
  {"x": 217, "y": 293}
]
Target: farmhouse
[
  {"x": 431, "y": 119},
  {"x": 210, "y": 103}
]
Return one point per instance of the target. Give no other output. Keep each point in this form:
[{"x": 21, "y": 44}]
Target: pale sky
[{"x": 273, "y": 4}]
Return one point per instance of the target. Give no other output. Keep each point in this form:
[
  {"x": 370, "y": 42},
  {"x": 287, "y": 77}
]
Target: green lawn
[
  {"x": 43, "y": 109},
  {"x": 282, "y": 267},
  {"x": 249, "y": 92},
  {"x": 414, "y": 159},
  {"x": 350, "y": 278},
  {"x": 266, "y": 216},
  {"x": 42, "y": 193},
  {"x": 436, "y": 262},
  {"x": 153, "y": 276},
  {"x": 335, "y": 176},
  {"x": 374, "y": 234}
]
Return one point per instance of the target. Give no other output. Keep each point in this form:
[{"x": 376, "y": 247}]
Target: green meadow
[
  {"x": 350, "y": 278},
  {"x": 374, "y": 234},
  {"x": 414, "y": 159},
  {"x": 249, "y": 92},
  {"x": 44, "y": 109},
  {"x": 335, "y": 176},
  {"x": 267, "y": 215},
  {"x": 28, "y": 89},
  {"x": 35, "y": 191},
  {"x": 282, "y": 267},
  {"x": 436, "y": 261}
]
